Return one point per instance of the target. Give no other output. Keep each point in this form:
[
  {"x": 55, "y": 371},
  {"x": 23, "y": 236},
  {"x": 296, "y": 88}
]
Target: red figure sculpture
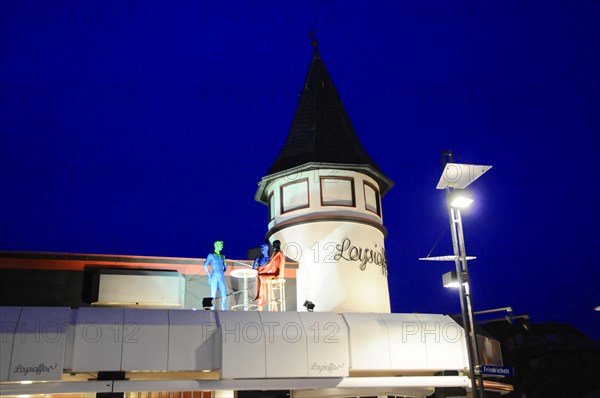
[{"x": 269, "y": 271}]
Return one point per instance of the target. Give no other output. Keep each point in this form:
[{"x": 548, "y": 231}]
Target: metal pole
[
  {"x": 463, "y": 294},
  {"x": 503, "y": 309},
  {"x": 465, "y": 269}
]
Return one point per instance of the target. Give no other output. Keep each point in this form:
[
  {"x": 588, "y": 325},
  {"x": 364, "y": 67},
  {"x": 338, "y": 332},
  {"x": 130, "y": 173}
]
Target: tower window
[
  {"x": 337, "y": 191},
  {"x": 271, "y": 206},
  {"x": 372, "y": 200},
  {"x": 294, "y": 195}
]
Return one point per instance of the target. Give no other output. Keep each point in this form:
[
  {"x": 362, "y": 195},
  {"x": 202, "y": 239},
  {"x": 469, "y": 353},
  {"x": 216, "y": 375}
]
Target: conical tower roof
[{"x": 321, "y": 132}]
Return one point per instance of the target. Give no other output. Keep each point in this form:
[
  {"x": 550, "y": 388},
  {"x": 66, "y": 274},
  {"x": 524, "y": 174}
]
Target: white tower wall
[{"x": 329, "y": 220}]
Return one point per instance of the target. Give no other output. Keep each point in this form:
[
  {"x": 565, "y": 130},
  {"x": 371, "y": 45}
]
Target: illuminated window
[
  {"x": 337, "y": 191},
  {"x": 294, "y": 196},
  {"x": 372, "y": 202},
  {"x": 271, "y": 206}
]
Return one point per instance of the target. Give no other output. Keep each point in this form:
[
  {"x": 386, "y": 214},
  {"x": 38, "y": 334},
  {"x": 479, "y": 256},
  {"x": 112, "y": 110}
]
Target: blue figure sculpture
[
  {"x": 260, "y": 261},
  {"x": 216, "y": 277}
]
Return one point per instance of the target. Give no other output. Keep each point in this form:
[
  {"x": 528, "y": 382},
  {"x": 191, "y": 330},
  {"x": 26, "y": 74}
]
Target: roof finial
[{"x": 313, "y": 39}]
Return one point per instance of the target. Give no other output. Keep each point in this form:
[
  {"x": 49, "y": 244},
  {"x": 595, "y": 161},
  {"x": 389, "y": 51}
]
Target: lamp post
[
  {"x": 455, "y": 178},
  {"x": 462, "y": 273}
]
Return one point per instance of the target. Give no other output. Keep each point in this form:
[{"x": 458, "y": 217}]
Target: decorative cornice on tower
[{"x": 321, "y": 131}]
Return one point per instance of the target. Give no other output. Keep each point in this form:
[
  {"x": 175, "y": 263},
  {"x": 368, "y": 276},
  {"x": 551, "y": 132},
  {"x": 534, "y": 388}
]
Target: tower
[{"x": 324, "y": 197}]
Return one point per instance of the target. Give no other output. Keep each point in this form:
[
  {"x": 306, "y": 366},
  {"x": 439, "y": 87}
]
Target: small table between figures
[{"x": 245, "y": 273}]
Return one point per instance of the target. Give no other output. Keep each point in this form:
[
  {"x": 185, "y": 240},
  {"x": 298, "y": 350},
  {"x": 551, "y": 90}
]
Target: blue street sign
[{"x": 496, "y": 370}]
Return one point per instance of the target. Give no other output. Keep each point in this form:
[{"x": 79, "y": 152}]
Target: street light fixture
[
  {"x": 461, "y": 198},
  {"x": 450, "y": 280}
]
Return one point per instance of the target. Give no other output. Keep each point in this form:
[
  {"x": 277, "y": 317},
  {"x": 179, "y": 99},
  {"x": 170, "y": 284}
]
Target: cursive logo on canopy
[
  {"x": 37, "y": 369},
  {"x": 328, "y": 367}
]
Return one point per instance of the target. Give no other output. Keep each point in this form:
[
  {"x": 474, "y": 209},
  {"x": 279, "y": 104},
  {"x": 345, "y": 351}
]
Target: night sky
[{"x": 143, "y": 127}]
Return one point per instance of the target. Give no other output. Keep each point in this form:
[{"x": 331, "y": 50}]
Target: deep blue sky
[{"x": 143, "y": 127}]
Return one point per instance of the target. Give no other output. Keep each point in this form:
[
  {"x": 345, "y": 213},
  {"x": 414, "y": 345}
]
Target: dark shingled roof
[{"x": 321, "y": 131}]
